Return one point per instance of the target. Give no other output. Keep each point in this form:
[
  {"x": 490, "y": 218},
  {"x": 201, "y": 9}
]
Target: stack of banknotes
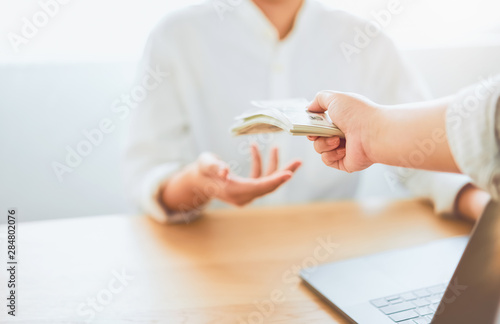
[{"x": 284, "y": 115}]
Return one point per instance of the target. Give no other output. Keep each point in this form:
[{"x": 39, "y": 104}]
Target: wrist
[
  {"x": 374, "y": 133},
  {"x": 185, "y": 190}
]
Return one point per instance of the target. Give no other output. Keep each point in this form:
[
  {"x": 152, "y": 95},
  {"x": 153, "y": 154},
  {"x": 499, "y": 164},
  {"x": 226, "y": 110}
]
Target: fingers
[
  {"x": 332, "y": 158},
  {"x": 293, "y": 166},
  {"x": 270, "y": 183},
  {"x": 312, "y": 138},
  {"x": 326, "y": 144},
  {"x": 273, "y": 161},
  {"x": 242, "y": 191},
  {"x": 322, "y": 101},
  {"x": 256, "y": 162}
]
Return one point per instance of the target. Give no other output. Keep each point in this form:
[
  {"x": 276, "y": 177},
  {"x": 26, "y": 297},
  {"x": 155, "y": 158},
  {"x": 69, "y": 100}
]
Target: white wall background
[
  {"x": 117, "y": 29},
  {"x": 64, "y": 80}
]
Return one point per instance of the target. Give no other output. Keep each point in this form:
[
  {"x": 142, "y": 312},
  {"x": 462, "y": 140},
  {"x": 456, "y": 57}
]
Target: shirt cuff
[
  {"x": 150, "y": 197},
  {"x": 441, "y": 188},
  {"x": 471, "y": 129}
]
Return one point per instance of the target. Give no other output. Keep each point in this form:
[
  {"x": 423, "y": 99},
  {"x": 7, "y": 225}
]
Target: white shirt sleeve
[
  {"x": 473, "y": 129},
  {"x": 439, "y": 187},
  {"x": 159, "y": 139},
  {"x": 404, "y": 85}
]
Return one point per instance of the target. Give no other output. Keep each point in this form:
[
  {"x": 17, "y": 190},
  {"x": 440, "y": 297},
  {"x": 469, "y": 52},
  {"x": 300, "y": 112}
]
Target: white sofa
[{"x": 45, "y": 107}]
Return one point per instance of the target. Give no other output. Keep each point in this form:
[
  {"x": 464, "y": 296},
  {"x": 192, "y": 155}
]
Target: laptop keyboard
[{"x": 413, "y": 307}]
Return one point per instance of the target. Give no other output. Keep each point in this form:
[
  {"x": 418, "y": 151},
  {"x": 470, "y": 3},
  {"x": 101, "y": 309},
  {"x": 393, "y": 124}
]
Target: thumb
[
  {"x": 210, "y": 165},
  {"x": 322, "y": 101}
]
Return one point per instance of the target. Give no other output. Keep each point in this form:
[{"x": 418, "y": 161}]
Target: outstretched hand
[{"x": 239, "y": 190}]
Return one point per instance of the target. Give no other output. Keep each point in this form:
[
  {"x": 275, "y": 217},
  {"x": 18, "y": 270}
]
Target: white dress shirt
[
  {"x": 473, "y": 129},
  {"x": 217, "y": 64}
]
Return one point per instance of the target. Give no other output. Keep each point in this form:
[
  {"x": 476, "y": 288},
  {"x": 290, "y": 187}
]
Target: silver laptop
[{"x": 452, "y": 281}]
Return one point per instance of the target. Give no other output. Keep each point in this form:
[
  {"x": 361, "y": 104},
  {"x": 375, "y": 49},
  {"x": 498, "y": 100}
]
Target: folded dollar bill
[{"x": 284, "y": 115}]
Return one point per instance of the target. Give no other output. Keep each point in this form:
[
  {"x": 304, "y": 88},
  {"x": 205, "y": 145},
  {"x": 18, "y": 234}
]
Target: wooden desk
[{"x": 210, "y": 271}]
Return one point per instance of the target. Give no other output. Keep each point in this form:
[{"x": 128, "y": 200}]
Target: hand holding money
[
  {"x": 291, "y": 116},
  {"x": 353, "y": 114}
]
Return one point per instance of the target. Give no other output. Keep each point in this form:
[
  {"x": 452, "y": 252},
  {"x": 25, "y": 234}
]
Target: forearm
[
  {"x": 186, "y": 190},
  {"x": 412, "y": 136}
]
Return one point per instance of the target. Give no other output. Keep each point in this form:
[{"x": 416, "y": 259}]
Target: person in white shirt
[
  {"x": 464, "y": 131},
  {"x": 180, "y": 155}
]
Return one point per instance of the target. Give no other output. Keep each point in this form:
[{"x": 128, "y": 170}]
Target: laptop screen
[{"x": 473, "y": 294}]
